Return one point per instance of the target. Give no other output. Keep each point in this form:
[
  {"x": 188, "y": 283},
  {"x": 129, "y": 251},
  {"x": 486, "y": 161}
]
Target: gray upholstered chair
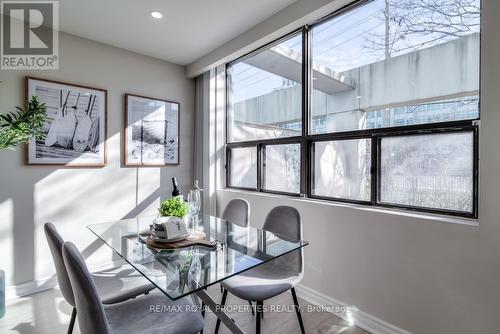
[
  {"x": 237, "y": 211},
  {"x": 132, "y": 316},
  {"x": 114, "y": 286},
  {"x": 276, "y": 276}
]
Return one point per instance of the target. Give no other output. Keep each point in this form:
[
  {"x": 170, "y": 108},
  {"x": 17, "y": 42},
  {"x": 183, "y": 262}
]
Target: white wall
[
  {"x": 420, "y": 274},
  {"x": 71, "y": 198}
]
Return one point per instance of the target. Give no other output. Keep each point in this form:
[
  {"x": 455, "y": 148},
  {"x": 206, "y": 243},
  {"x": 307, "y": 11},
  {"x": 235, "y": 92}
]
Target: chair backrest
[
  {"x": 285, "y": 221},
  {"x": 90, "y": 312},
  {"x": 56, "y": 242},
  {"x": 237, "y": 211}
]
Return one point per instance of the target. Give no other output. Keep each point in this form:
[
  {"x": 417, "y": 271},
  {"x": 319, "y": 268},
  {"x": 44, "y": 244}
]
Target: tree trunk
[{"x": 387, "y": 15}]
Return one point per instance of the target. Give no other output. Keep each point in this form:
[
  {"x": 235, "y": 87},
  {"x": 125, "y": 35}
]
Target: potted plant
[
  {"x": 173, "y": 207},
  {"x": 171, "y": 224}
]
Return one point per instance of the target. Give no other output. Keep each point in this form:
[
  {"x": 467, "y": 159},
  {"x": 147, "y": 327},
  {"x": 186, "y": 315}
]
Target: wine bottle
[{"x": 176, "y": 192}]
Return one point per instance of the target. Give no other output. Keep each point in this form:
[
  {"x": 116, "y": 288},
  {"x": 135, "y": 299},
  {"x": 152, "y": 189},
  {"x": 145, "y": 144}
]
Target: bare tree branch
[{"x": 413, "y": 24}]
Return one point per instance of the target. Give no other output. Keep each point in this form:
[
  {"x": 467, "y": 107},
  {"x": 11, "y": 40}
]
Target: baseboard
[
  {"x": 47, "y": 283},
  {"x": 352, "y": 315}
]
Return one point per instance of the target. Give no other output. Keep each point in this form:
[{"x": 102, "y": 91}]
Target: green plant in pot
[
  {"x": 173, "y": 207},
  {"x": 172, "y": 212}
]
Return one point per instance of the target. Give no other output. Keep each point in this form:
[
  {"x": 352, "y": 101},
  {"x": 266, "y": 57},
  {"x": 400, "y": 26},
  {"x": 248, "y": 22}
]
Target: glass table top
[{"x": 180, "y": 272}]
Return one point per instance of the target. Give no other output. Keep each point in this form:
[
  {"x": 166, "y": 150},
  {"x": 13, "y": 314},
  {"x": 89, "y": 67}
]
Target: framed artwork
[
  {"x": 76, "y": 126},
  {"x": 151, "y": 131}
]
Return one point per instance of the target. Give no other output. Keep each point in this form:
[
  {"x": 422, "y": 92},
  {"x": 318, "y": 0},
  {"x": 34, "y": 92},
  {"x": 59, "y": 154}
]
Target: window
[
  {"x": 342, "y": 169},
  {"x": 243, "y": 167},
  {"x": 371, "y": 105},
  {"x": 265, "y": 95},
  {"x": 282, "y": 168},
  {"x": 383, "y": 54},
  {"x": 429, "y": 171}
]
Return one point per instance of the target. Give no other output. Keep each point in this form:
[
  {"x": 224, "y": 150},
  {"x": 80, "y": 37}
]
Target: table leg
[{"x": 214, "y": 307}]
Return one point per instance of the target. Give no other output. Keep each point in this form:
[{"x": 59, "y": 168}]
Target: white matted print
[
  {"x": 151, "y": 131},
  {"x": 76, "y": 127}
]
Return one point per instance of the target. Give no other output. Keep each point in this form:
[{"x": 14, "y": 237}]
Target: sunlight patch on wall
[{"x": 72, "y": 198}]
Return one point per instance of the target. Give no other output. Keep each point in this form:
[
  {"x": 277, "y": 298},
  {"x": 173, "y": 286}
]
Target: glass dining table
[{"x": 189, "y": 271}]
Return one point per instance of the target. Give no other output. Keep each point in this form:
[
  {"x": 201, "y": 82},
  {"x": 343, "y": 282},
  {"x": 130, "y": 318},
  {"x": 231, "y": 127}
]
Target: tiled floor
[{"x": 48, "y": 313}]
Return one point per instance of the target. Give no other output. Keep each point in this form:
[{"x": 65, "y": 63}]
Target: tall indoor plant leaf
[{"x": 22, "y": 125}]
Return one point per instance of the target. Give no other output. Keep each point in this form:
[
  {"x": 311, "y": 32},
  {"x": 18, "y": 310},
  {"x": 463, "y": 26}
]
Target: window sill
[{"x": 390, "y": 211}]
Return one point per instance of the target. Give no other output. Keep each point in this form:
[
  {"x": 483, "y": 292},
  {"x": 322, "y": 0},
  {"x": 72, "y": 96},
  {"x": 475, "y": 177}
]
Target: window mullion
[
  {"x": 374, "y": 172},
  {"x": 476, "y": 172},
  {"x": 310, "y": 167},
  {"x": 306, "y": 109},
  {"x": 260, "y": 166}
]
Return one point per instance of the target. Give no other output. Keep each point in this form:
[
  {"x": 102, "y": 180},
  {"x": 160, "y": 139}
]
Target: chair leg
[
  {"x": 259, "y": 316},
  {"x": 297, "y": 310},
  {"x": 72, "y": 321},
  {"x": 202, "y": 313},
  {"x": 251, "y": 306},
  {"x": 222, "y": 303}
]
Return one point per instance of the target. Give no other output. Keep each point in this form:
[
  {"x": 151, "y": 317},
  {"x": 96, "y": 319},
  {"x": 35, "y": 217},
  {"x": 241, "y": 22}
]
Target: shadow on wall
[
  {"x": 46, "y": 185},
  {"x": 71, "y": 198},
  {"x": 24, "y": 239}
]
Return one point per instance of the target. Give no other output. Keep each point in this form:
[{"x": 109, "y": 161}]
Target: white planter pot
[{"x": 161, "y": 220}]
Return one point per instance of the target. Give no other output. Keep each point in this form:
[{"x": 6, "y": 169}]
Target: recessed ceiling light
[{"x": 157, "y": 15}]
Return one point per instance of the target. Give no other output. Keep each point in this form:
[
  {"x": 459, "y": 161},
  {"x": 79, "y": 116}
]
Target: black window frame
[{"x": 307, "y": 140}]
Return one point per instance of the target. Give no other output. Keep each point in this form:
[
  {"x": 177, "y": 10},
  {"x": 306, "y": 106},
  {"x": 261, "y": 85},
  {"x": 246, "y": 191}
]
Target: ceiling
[{"x": 188, "y": 30}]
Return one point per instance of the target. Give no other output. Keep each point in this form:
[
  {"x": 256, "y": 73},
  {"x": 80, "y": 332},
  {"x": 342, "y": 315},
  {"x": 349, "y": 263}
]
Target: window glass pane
[
  {"x": 342, "y": 169},
  {"x": 265, "y": 94},
  {"x": 395, "y": 63},
  {"x": 282, "y": 168},
  {"x": 431, "y": 171},
  {"x": 243, "y": 167}
]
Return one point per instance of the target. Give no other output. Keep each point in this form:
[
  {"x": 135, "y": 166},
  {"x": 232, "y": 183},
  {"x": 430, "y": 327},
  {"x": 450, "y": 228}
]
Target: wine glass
[
  {"x": 194, "y": 204},
  {"x": 194, "y": 273}
]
